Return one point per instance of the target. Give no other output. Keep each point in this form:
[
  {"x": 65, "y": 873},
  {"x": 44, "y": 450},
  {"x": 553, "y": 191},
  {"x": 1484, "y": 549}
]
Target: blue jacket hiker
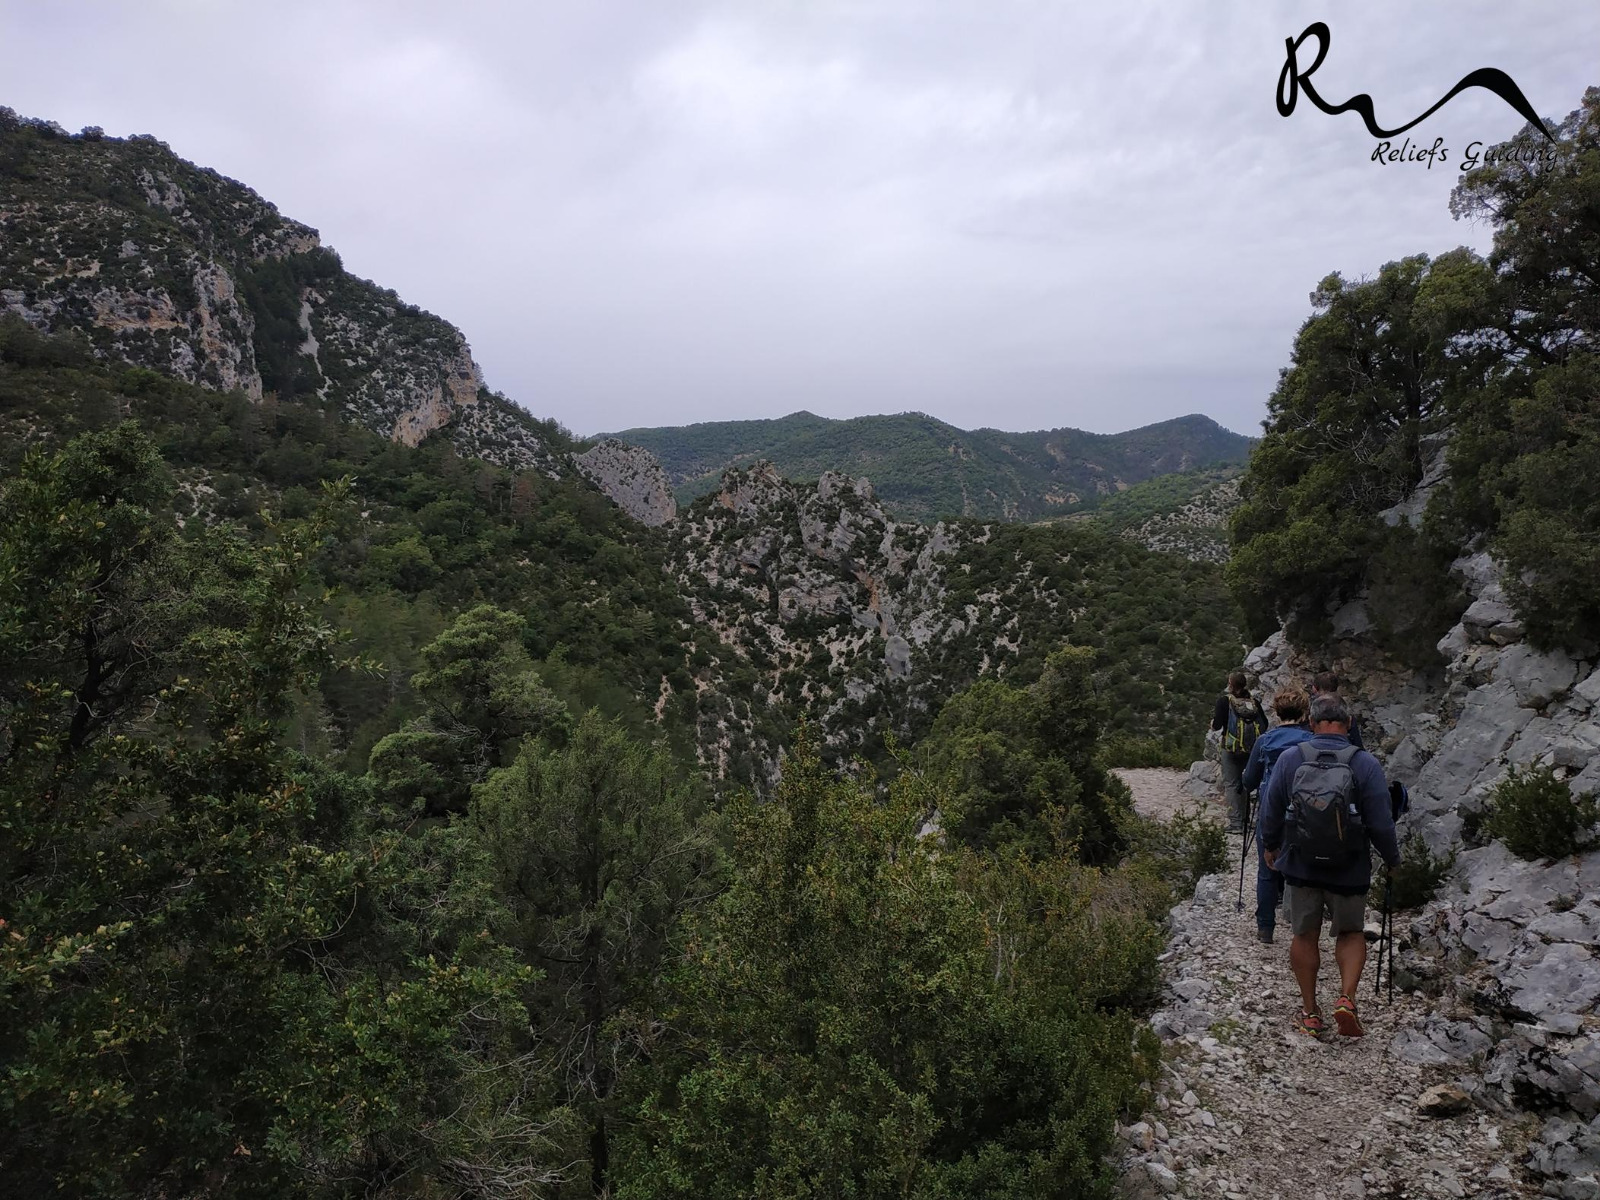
[
  {"x": 1354, "y": 876},
  {"x": 1323, "y": 810},
  {"x": 1257, "y": 777}
]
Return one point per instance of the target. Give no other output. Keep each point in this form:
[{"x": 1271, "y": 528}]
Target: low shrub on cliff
[
  {"x": 1536, "y": 815},
  {"x": 1416, "y": 880}
]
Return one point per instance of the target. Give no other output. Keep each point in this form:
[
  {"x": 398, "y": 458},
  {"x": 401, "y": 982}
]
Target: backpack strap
[{"x": 1345, "y": 754}]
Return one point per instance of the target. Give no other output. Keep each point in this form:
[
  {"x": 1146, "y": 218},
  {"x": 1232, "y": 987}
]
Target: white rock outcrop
[{"x": 632, "y": 477}]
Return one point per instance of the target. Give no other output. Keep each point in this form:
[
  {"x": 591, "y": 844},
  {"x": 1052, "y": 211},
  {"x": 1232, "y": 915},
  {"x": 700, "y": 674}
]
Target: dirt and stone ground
[{"x": 1248, "y": 1107}]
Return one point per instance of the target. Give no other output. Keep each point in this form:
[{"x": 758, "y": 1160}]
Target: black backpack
[{"x": 1324, "y": 821}]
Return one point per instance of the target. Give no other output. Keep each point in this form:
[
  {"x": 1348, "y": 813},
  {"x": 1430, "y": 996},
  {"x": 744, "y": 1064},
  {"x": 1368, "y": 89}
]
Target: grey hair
[{"x": 1329, "y": 707}]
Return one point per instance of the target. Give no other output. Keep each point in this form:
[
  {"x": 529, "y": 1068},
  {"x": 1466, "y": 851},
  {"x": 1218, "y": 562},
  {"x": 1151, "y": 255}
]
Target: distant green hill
[{"x": 924, "y": 469}]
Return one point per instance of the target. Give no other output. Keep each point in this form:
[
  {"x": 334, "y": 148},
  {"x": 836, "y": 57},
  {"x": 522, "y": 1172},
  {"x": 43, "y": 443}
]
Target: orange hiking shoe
[
  {"x": 1344, "y": 1015},
  {"x": 1311, "y": 1024}
]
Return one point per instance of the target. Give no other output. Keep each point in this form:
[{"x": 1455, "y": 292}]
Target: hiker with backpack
[
  {"x": 1290, "y": 705},
  {"x": 1240, "y": 719},
  {"x": 1326, "y": 803}
]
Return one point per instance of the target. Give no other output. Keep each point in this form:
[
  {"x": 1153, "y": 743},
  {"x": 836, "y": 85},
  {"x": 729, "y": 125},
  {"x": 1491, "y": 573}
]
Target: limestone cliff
[
  {"x": 632, "y": 477},
  {"x": 821, "y": 602},
  {"x": 165, "y": 265}
]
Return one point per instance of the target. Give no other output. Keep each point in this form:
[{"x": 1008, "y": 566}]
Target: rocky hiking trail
[{"x": 1247, "y": 1107}]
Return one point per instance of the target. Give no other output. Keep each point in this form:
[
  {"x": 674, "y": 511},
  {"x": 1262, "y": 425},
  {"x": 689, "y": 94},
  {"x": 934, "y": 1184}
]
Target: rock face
[
  {"x": 816, "y": 584},
  {"x": 1196, "y": 529},
  {"x": 166, "y": 265},
  {"x": 820, "y": 601},
  {"x": 1510, "y": 949},
  {"x": 632, "y": 477}
]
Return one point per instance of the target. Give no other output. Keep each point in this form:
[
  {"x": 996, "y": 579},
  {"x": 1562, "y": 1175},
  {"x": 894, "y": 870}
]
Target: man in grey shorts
[{"x": 1325, "y": 877}]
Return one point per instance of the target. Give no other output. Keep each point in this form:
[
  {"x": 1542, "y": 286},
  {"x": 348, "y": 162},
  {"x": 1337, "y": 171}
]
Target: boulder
[
  {"x": 1434, "y": 1042},
  {"x": 1490, "y": 720},
  {"x": 1537, "y": 677},
  {"x": 1534, "y": 743},
  {"x": 1454, "y": 644},
  {"x": 1490, "y": 618},
  {"x": 1565, "y": 978},
  {"x": 1476, "y": 572},
  {"x": 1443, "y": 1100},
  {"x": 1415, "y": 749},
  {"x": 1205, "y": 780},
  {"x": 1589, "y": 690},
  {"x": 897, "y": 656},
  {"x": 1352, "y": 620}
]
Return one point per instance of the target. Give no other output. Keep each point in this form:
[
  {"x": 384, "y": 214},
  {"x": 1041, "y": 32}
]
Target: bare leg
[
  {"x": 1350, "y": 952},
  {"x": 1304, "y": 959}
]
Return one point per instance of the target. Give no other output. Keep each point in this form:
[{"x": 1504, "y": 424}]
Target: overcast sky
[{"x": 1013, "y": 213}]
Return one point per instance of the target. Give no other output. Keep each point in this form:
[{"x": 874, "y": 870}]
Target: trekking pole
[
  {"x": 1388, "y": 924},
  {"x": 1244, "y": 849},
  {"x": 1385, "y": 940}
]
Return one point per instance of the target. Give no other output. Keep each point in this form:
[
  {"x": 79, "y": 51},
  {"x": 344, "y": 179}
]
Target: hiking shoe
[
  {"x": 1264, "y": 936},
  {"x": 1311, "y": 1024},
  {"x": 1344, "y": 1015}
]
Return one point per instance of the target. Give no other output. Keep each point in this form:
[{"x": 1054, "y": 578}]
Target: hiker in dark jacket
[
  {"x": 1326, "y": 683},
  {"x": 1319, "y": 881},
  {"x": 1290, "y": 705},
  {"x": 1239, "y": 717}
]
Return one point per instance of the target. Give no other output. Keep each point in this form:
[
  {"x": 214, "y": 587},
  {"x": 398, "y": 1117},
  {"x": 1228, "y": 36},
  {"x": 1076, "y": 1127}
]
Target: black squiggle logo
[{"x": 1291, "y": 79}]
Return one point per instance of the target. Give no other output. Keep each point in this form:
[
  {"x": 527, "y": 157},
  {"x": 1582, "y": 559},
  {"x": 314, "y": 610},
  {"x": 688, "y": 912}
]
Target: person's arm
[
  {"x": 1219, "y": 715},
  {"x": 1251, "y": 779},
  {"x": 1375, "y": 809},
  {"x": 1355, "y": 736},
  {"x": 1275, "y": 802}
]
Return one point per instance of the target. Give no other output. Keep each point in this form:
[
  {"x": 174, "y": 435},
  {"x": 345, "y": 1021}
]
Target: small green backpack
[{"x": 1243, "y": 728}]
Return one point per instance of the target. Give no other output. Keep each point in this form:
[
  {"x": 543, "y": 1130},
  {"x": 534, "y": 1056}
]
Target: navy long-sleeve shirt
[{"x": 1372, "y": 798}]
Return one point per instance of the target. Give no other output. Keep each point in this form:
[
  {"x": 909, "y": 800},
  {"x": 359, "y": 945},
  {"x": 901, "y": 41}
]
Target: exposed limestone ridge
[
  {"x": 632, "y": 477},
  {"x": 1197, "y": 529},
  {"x": 163, "y": 264},
  {"x": 813, "y": 580}
]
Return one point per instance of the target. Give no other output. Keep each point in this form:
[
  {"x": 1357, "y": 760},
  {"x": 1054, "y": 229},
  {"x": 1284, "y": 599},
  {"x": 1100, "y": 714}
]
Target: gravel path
[
  {"x": 1158, "y": 792},
  {"x": 1249, "y": 1108}
]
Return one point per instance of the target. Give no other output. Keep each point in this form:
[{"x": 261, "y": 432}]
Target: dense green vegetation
[
  {"x": 1157, "y": 497},
  {"x": 860, "y": 1016},
  {"x": 521, "y": 953},
  {"x": 1488, "y": 361},
  {"x": 426, "y": 534},
  {"x": 924, "y": 469}
]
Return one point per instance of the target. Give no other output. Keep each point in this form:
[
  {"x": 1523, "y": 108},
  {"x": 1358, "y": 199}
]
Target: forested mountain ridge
[
  {"x": 925, "y": 470},
  {"x": 1185, "y": 513},
  {"x": 351, "y": 799}
]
